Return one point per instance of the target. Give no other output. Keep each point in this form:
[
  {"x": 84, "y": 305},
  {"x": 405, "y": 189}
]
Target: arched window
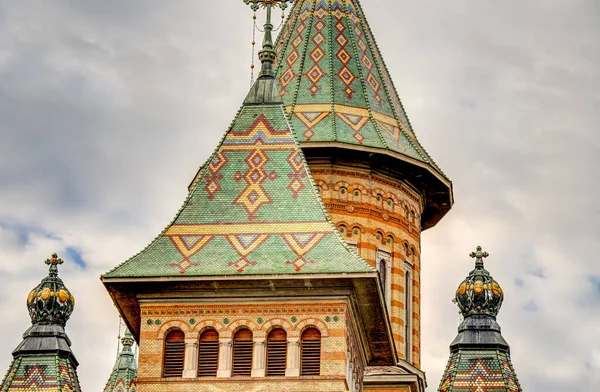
[
  {"x": 208, "y": 353},
  {"x": 379, "y": 200},
  {"x": 242, "y": 353},
  {"x": 343, "y": 194},
  {"x": 276, "y": 352},
  {"x": 173, "y": 354},
  {"x": 310, "y": 360}
]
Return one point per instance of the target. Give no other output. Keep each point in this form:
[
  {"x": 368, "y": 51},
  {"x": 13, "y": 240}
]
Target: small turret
[
  {"x": 479, "y": 355},
  {"x": 44, "y": 360}
]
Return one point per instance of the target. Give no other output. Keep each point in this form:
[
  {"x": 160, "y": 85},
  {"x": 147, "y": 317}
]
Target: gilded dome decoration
[
  {"x": 51, "y": 302},
  {"x": 479, "y": 293}
]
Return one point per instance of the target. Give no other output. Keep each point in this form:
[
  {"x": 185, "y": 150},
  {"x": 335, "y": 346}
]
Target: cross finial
[
  {"x": 54, "y": 262},
  {"x": 267, "y": 54},
  {"x": 479, "y": 255}
]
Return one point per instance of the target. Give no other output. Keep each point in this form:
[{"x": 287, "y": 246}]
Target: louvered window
[
  {"x": 174, "y": 354},
  {"x": 242, "y": 353},
  {"x": 208, "y": 353},
  {"x": 311, "y": 352},
  {"x": 276, "y": 352}
]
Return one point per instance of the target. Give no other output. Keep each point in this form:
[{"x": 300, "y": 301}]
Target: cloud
[{"x": 108, "y": 108}]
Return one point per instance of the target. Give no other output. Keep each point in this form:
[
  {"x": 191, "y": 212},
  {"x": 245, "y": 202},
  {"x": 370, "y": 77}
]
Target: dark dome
[
  {"x": 51, "y": 302},
  {"x": 479, "y": 293}
]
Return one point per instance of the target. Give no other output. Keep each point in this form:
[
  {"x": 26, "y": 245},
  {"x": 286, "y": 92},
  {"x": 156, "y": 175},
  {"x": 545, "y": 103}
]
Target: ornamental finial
[
  {"x": 479, "y": 255},
  {"x": 54, "y": 262},
  {"x": 267, "y": 54}
]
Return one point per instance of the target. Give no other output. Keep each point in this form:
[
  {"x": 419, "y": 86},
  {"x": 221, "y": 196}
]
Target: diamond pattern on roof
[
  {"x": 264, "y": 216},
  {"x": 327, "y": 56}
]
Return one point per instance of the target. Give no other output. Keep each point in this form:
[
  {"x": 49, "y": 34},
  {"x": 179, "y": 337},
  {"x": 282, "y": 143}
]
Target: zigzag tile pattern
[
  {"x": 48, "y": 373},
  {"x": 479, "y": 371}
]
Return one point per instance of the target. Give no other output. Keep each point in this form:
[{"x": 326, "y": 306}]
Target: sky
[{"x": 108, "y": 108}]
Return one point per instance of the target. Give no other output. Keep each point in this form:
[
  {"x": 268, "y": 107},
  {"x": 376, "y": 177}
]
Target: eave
[{"x": 362, "y": 291}]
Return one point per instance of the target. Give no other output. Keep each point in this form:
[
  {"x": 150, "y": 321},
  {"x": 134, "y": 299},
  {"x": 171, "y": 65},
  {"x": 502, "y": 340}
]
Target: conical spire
[
  {"x": 44, "y": 360},
  {"x": 339, "y": 95},
  {"x": 124, "y": 374},
  {"x": 266, "y": 89},
  {"x": 479, "y": 355}
]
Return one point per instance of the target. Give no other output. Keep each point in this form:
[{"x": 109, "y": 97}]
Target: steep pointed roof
[
  {"x": 43, "y": 361},
  {"x": 479, "y": 355},
  {"x": 338, "y": 92},
  {"x": 254, "y": 208},
  {"x": 124, "y": 374}
]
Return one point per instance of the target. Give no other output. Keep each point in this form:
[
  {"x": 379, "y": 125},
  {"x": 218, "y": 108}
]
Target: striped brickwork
[{"x": 375, "y": 212}]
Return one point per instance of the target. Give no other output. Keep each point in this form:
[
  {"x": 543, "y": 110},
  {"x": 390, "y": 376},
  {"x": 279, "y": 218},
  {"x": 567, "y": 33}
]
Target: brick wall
[{"x": 379, "y": 213}]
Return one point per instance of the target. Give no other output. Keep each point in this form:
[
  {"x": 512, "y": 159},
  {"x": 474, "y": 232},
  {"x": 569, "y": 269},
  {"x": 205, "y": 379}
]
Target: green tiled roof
[
  {"x": 336, "y": 87},
  {"x": 481, "y": 370},
  {"x": 43, "y": 373},
  {"x": 123, "y": 377},
  {"x": 253, "y": 210}
]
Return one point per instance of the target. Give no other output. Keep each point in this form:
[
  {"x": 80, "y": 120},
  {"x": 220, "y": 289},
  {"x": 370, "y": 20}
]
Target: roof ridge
[
  {"x": 361, "y": 77},
  {"x": 187, "y": 198}
]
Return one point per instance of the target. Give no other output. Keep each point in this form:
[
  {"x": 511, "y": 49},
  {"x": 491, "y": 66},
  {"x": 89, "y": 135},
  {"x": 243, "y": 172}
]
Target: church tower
[
  {"x": 294, "y": 261},
  {"x": 479, "y": 355},
  {"x": 44, "y": 361}
]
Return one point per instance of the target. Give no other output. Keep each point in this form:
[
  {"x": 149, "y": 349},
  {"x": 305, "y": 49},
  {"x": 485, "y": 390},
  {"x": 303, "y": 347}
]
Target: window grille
[
  {"x": 276, "y": 352},
  {"x": 173, "y": 354},
  {"x": 310, "y": 361},
  {"x": 242, "y": 353},
  {"x": 208, "y": 353}
]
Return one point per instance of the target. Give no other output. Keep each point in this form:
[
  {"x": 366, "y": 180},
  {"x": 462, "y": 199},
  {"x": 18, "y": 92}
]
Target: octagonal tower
[{"x": 379, "y": 185}]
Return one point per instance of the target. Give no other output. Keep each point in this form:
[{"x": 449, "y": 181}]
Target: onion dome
[
  {"x": 50, "y": 301},
  {"x": 43, "y": 361},
  {"x": 479, "y": 293}
]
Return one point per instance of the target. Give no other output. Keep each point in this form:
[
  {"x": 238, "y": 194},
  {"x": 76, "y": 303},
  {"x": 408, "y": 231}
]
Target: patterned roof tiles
[
  {"x": 253, "y": 210},
  {"x": 479, "y": 371},
  {"x": 43, "y": 373},
  {"x": 335, "y": 84}
]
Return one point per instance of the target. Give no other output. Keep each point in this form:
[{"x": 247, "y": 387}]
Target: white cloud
[{"x": 108, "y": 108}]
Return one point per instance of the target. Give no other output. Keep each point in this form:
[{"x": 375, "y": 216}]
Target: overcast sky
[{"x": 107, "y": 108}]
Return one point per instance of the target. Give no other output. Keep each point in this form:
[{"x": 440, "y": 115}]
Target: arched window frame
[
  {"x": 310, "y": 352},
  {"x": 276, "y": 355},
  {"x": 242, "y": 352},
  {"x": 384, "y": 267},
  {"x": 208, "y": 353},
  {"x": 173, "y": 353}
]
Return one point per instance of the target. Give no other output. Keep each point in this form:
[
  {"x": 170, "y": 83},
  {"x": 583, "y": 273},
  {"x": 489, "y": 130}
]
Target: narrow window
[
  {"x": 408, "y": 312},
  {"x": 384, "y": 266},
  {"x": 242, "y": 353},
  {"x": 276, "y": 352},
  {"x": 310, "y": 361},
  {"x": 208, "y": 353},
  {"x": 174, "y": 354}
]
